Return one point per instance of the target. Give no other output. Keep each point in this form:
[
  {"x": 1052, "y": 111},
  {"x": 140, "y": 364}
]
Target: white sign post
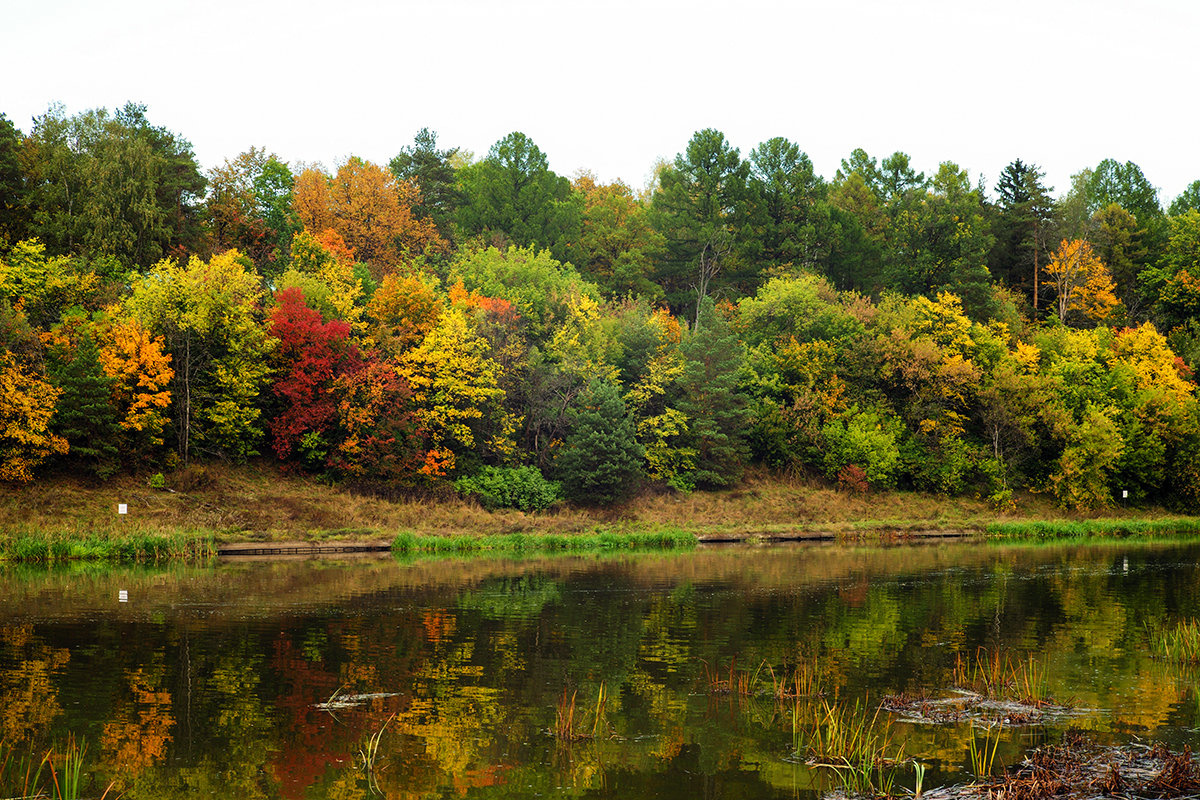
[{"x": 122, "y": 508}]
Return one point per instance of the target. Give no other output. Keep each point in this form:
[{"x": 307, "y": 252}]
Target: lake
[{"x": 709, "y": 673}]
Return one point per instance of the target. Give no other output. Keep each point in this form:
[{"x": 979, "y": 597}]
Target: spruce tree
[
  {"x": 601, "y": 459},
  {"x": 718, "y": 415},
  {"x": 85, "y": 416}
]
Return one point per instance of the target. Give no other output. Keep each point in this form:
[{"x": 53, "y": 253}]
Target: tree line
[{"x": 487, "y": 323}]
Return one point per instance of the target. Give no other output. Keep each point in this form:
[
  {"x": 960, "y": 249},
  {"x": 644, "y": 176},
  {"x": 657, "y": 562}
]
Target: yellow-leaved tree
[
  {"x": 457, "y": 399},
  {"x": 209, "y": 317},
  {"x": 1082, "y": 282},
  {"x": 26, "y": 405}
]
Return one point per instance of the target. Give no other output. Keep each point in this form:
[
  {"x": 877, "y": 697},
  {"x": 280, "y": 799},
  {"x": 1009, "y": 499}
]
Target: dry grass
[{"x": 258, "y": 502}]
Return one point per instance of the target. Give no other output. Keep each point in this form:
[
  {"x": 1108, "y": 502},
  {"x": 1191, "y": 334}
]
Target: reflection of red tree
[
  {"x": 375, "y": 658},
  {"x": 854, "y": 595},
  {"x": 308, "y": 738}
]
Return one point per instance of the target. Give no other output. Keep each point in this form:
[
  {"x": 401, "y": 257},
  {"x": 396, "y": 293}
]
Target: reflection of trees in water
[
  {"x": 28, "y": 694},
  {"x": 139, "y": 728},
  {"x": 472, "y": 656}
]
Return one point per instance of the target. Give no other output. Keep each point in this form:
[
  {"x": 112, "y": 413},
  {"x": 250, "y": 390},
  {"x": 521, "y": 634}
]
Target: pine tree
[
  {"x": 601, "y": 459},
  {"x": 85, "y": 416},
  {"x": 718, "y": 416},
  {"x": 1022, "y": 220}
]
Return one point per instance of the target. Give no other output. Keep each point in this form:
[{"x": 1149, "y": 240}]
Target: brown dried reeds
[
  {"x": 738, "y": 682},
  {"x": 802, "y": 680},
  {"x": 997, "y": 674},
  {"x": 566, "y": 720}
]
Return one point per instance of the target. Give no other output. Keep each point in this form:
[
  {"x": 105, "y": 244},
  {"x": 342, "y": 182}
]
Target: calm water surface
[{"x": 269, "y": 679}]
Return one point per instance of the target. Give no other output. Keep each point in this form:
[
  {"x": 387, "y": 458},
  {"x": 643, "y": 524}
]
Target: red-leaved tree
[{"x": 311, "y": 356}]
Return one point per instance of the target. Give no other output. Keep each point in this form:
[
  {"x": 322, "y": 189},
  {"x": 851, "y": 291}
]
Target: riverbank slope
[{"x": 255, "y": 503}]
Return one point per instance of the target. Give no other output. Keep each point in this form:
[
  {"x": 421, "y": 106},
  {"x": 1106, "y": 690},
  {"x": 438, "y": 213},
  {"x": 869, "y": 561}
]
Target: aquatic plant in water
[
  {"x": 1180, "y": 644},
  {"x": 983, "y": 755},
  {"x": 995, "y": 674},
  {"x": 740, "y": 682},
  {"x": 565, "y": 729},
  {"x": 856, "y": 746}
]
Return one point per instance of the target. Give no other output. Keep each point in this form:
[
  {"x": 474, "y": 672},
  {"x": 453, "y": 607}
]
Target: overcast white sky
[{"x": 612, "y": 86}]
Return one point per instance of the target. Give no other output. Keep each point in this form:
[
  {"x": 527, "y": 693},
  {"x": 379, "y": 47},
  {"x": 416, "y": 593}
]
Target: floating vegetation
[
  {"x": 961, "y": 705},
  {"x": 339, "y": 701},
  {"x": 1081, "y": 770}
]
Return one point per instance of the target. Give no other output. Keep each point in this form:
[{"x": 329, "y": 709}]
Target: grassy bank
[
  {"x": 1093, "y": 528},
  {"x": 407, "y": 542},
  {"x": 201, "y": 507},
  {"x": 49, "y": 548}
]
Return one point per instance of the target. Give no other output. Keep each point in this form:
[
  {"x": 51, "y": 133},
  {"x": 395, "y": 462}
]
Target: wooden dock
[{"x": 242, "y": 549}]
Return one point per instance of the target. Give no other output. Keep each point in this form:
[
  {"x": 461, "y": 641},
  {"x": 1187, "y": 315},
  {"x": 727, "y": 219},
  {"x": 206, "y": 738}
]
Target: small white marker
[
  {"x": 122, "y": 508},
  {"x": 123, "y": 596},
  {"x": 1124, "y": 494}
]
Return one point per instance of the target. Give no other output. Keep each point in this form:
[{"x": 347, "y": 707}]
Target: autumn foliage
[
  {"x": 311, "y": 356},
  {"x": 881, "y": 328}
]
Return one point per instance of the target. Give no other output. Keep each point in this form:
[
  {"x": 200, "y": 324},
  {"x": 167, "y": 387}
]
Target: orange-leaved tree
[
  {"x": 371, "y": 210},
  {"x": 141, "y": 375}
]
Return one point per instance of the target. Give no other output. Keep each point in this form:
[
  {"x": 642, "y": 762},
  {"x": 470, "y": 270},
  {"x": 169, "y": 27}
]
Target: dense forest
[{"x": 484, "y": 323}]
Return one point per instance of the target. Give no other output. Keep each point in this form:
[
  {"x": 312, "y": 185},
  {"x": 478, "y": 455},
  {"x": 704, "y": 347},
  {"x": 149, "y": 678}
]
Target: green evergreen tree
[
  {"x": 85, "y": 416},
  {"x": 433, "y": 173},
  {"x": 1021, "y": 225},
  {"x": 514, "y": 193},
  {"x": 718, "y": 415},
  {"x": 12, "y": 183},
  {"x": 699, "y": 209},
  {"x": 601, "y": 459}
]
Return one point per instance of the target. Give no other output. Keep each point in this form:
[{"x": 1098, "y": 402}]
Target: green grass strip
[
  {"x": 1080, "y": 529},
  {"x": 148, "y": 547},
  {"x": 407, "y": 542}
]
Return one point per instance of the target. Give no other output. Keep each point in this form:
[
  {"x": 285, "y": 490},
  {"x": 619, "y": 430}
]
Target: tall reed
[
  {"x": 857, "y": 746},
  {"x": 740, "y": 682},
  {"x": 995, "y": 674},
  {"x": 983, "y": 756},
  {"x": 1180, "y": 644},
  {"x": 804, "y": 680},
  {"x": 565, "y": 719}
]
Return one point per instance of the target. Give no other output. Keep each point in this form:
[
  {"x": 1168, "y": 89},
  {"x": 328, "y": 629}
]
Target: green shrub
[
  {"x": 866, "y": 439},
  {"x": 511, "y": 487}
]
